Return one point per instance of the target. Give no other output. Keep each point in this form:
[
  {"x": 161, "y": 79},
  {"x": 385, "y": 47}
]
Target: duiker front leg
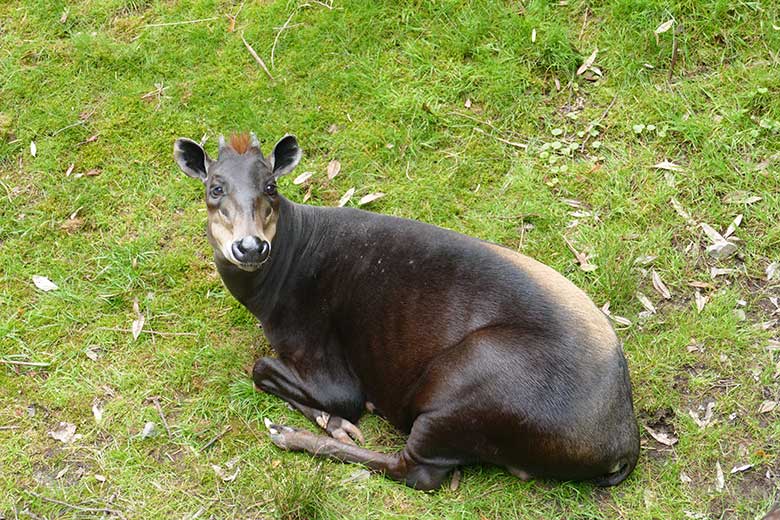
[
  {"x": 275, "y": 377},
  {"x": 412, "y": 466}
]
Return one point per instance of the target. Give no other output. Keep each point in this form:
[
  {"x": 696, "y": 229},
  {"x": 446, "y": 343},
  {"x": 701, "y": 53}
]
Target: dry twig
[
  {"x": 257, "y": 58},
  {"x": 77, "y": 508}
]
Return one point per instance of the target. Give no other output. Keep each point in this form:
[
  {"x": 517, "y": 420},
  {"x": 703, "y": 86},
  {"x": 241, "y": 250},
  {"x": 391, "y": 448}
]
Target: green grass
[{"x": 393, "y": 77}]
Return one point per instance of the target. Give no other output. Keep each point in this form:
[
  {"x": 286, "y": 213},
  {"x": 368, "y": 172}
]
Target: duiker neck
[{"x": 259, "y": 290}]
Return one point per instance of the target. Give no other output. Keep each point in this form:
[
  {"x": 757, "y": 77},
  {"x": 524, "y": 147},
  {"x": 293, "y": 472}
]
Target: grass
[{"x": 393, "y": 77}]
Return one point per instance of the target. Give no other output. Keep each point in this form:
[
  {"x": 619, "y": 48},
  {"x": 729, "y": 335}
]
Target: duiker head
[{"x": 243, "y": 206}]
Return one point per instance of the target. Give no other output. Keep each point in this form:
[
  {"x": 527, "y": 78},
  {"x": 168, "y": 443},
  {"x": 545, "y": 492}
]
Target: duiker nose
[{"x": 251, "y": 250}]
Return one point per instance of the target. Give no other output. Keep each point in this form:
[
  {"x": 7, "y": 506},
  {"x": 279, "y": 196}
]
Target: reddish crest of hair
[{"x": 240, "y": 142}]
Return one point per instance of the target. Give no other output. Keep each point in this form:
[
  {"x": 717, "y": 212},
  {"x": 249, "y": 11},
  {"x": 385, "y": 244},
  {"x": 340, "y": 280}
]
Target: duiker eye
[
  {"x": 217, "y": 191},
  {"x": 270, "y": 189}
]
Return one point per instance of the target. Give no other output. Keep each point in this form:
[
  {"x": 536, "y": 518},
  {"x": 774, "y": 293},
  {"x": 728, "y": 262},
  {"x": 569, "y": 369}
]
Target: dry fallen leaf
[
  {"x": 767, "y": 407},
  {"x": 740, "y": 197},
  {"x": 646, "y": 303},
  {"x": 742, "y": 468},
  {"x": 334, "y": 167},
  {"x": 664, "y": 27},
  {"x": 707, "y": 419},
  {"x": 92, "y": 352},
  {"x": 97, "y": 412},
  {"x": 65, "y": 433},
  {"x": 701, "y": 300},
  {"x": 138, "y": 322},
  {"x": 659, "y": 286},
  {"x": 467, "y": 103},
  {"x": 94, "y": 172},
  {"x": 685, "y": 479},
  {"x": 721, "y": 250},
  {"x": 667, "y": 439},
  {"x": 719, "y": 271},
  {"x": 70, "y": 169},
  {"x": 733, "y": 226},
  {"x": 308, "y": 195},
  {"x": 300, "y": 179},
  {"x": 345, "y": 198},
  {"x": 148, "y": 431},
  {"x": 588, "y": 63},
  {"x": 668, "y": 165},
  {"x": 223, "y": 473},
  {"x": 357, "y": 476},
  {"x": 772, "y": 271},
  {"x": 581, "y": 257},
  {"x": 713, "y": 235},
  {"x": 720, "y": 480},
  {"x": 99, "y": 477},
  {"x": 43, "y": 283},
  {"x": 645, "y": 259},
  {"x": 33, "y": 149},
  {"x": 681, "y": 211},
  {"x": 371, "y": 197}
]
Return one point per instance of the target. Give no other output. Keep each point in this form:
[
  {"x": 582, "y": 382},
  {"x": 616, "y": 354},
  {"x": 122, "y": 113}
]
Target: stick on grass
[{"x": 257, "y": 58}]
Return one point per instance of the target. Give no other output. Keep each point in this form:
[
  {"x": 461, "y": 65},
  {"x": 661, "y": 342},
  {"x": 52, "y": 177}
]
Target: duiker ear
[
  {"x": 191, "y": 158},
  {"x": 286, "y": 156}
]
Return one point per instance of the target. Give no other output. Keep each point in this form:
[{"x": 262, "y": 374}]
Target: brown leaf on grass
[
  {"x": 43, "y": 283},
  {"x": 345, "y": 198},
  {"x": 90, "y": 139},
  {"x": 668, "y": 165},
  {"x": 711, "y": 233},
  {"x": 92, "y": 352},
  {"x": 740, "y": 197},
  {"x": 97, "y": 412},
  {"x": 149, "y": 430},
  {"x": 722, "y": 250},
  {"x": 70, "y": 169},
  {"x": 772, "y": 271},
  {"x": 720, "y": 480},
  {"x": 308, "y": 194},
  {"x": 706, "y": 420},
  {"x": 660, "y": 286},
  {"x": 65, "y": 433},
  {"x": 371, "y": 197},
  {"x": 664, "y": 27},
  {"x": 701, "y": 300},
  {"x": 646, "y": 303},
  {"x": 681, "y": 211},
  {"x": 733, "y": 226},
  {"x": 741, "y": 469},
  {"x": 300, "y": 179},
  {"x": 94, "y": 172},
  {"x": 334, "y": 167},
  {"x": 223, "y": 473},
  {"x": 620, "y": 320},
  {"x": 720, "y": 271},
  {"x": 767, "y": 406},
  {"x": 138, "y": 322},
  {"x": 72, "y": 225},
  {"x": 581, "y": 257},
  {"x": 588, "y": 63},
  {"x": 645, "y": 259},
  {"x": 333, "y": 128},
  {"x": 666, "y": 439}
]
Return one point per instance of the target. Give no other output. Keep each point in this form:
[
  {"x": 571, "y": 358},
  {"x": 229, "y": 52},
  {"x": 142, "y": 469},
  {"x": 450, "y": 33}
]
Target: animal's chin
[{"x": 248, "y": 267}]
